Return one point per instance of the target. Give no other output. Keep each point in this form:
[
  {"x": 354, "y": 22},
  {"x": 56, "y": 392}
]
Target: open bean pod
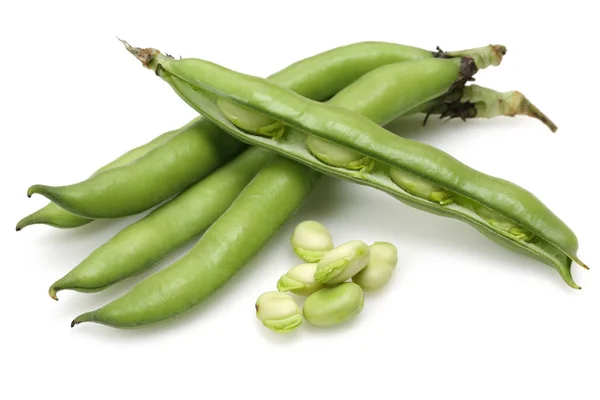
[{"x": 432, "y": 180}]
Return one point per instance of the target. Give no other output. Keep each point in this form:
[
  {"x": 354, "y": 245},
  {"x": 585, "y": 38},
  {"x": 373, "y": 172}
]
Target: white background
[{"x": 462, "y": 317}]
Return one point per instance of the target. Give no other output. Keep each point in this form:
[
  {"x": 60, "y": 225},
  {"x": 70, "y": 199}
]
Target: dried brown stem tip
[{"x": 144, "y": 55}]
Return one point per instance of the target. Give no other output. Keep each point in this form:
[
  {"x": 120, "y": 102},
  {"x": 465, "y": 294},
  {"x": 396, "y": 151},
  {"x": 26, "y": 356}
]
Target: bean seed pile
[
  {"x": 324, "y": 278},
  {"x": 235, "y": 174}
]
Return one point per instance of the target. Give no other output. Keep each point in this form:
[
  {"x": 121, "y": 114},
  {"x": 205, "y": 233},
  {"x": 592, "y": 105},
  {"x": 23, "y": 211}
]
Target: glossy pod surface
[
  {"x": 412, "y": 83},
  {"x": 58, "y": 217},
  {"x": 137, "y": 247},
  {"x": 150, "y": 179},
  {"x": 200, "y": 82},
  {"x": 264, "y": 205}
]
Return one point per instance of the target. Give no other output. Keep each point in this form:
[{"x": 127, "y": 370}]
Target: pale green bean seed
[
  {"x": 278, "y": 312},
  {"x": 384, "y": 253},
  {"x": 421, "y": 188},
  {"x": 332, "y": 306},
  {"x": 310, "y": 241},
  {"x": 498, "y": 221},
  {"x": 379, "y": 270},
  {"x": 300, "y": 280},
  {"x": 338, "y": 156},
  {"x": 249, "y": 120},
  {"x": 342, "y": 263}
]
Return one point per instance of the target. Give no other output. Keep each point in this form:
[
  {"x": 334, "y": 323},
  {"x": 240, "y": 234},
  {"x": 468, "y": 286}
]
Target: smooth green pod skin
[
  {"x": 331, "y": 71},
  {"x": 311, "y": 241},
  {"x": 57, "y": 217},
  {"x": 300, "y": 280},
  {"x": 140, "y": 245},
  {"x": 166, "y": 170},
  {"x": 412, "y": 79},
  {"x": 379, "y": 270},
  {"x": 333, "y": 306},
  {"x": 278, "y": 312},
  {"x": 275, "y": 194},
  {"x": 54, "y": 216},
  {"x": 342, "y": 263},
  {"x": 199, "y": 83},
  {"x": 413, "y": 83}
]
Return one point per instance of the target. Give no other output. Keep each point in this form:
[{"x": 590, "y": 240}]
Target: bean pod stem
[{"x": 475, "y": 101}]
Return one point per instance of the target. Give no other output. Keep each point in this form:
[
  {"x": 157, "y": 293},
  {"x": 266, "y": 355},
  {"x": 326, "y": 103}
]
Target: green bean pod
[
  {"x": 187, "y": 157},
  {"x": 57, "y": 217},
  {"x": 275, "y": 193},
  {"x": 141, "y": 244},
  {"x": 199, "y": 83},
  {"x": 183, "y": 160}
]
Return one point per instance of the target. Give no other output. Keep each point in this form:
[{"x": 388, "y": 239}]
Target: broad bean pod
[{"x": 58, "y": 217}]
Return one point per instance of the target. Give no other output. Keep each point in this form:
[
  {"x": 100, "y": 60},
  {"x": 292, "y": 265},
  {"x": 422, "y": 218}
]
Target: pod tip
[
  {"x": 34, "y": 189},
  {"x": 52, "y": 293},
  {"x": 85, "y": 317},
  {"x": 499, "y": 49},
  {"x": 22, "y": 224},
  {"x": 569, "y": 280},
  {"x": 78, "y": 320},
  {"x": 579, "y": 262}
]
